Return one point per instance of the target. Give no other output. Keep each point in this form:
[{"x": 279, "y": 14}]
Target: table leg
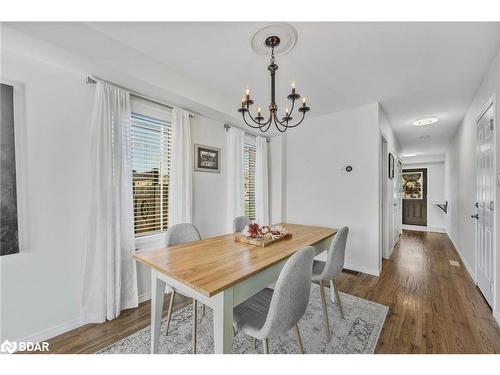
[
  {"x": 223, "y": 322},
  {"x": 157, "y": 295}
]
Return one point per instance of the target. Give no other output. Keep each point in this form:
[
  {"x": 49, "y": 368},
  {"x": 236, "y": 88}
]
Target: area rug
[{"x": 357, "y": 333}]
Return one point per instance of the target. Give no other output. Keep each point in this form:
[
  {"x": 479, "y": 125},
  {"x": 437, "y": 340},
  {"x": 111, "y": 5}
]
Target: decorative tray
[{"x": 260, "y": 241}]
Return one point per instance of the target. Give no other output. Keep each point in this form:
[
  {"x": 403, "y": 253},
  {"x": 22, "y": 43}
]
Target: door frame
[
  {"x": 399, "y": 185},
  {"x": 491, "y": 103},
  {"x": 383, "y": 198}
]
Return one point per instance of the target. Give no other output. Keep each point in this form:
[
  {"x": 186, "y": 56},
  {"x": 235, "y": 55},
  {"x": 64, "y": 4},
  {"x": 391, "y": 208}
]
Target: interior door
[
  {"x": 485, "y": 203},
  {"x": 415, "y": 196}
]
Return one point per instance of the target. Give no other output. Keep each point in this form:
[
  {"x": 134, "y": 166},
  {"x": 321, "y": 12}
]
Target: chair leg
[
  {"x": 325, "y": 311},
  {"x": 265, "y": 343},
  {"x": 254, "y": 343},
  {"x": 299, "y": 339},
  {"x": 337, "y": 298},
  {"x": 195, "y": 306},
  {"x": 332, "y": 293},
  {"x": 203, "y": 310},
  {"x": 170, "y": 306}
]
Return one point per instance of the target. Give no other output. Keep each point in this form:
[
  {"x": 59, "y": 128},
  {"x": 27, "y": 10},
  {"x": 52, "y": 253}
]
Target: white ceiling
[{"x": 413, "y": 69}]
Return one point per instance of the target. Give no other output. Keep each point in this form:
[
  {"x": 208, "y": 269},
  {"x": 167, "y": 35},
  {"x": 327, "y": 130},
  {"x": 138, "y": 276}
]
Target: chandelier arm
[
  {"x": 276, "y": 122},
  {"x": 267, "y": 123},
  {"x": 258, "y": 123},
  {"x": 291, "y": 108},
  {"x": 246, "y": 122},
  {"x": 297, "y": 124}
]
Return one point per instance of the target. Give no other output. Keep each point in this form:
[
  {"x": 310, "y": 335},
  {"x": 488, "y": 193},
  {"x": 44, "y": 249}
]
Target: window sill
[{"x": 154, "y": 241}]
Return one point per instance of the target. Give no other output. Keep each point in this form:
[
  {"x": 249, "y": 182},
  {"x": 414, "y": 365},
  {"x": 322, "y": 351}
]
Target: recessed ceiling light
[{"x": 426, "y": 121}]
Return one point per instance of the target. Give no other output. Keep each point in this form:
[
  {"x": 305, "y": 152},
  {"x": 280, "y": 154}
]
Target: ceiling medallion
[{"x": 258, "y": 122}]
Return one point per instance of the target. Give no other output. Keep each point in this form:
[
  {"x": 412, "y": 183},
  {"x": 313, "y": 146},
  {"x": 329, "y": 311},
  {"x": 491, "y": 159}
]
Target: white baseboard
[
  {"x": 496, "y": 316},
  {"x": 65, "y": 327},
  {"x": 356, "y": 268},
  {"x": 144, "y": 297},
  {"x": 468, "y": 268},
  {"x": 53, "y": 331},
  {"x": 423, "y": 229}
]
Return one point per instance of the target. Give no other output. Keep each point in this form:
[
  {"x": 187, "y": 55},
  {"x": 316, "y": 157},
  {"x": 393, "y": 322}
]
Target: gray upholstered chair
[
  {"x": 327, "y": 272},
  {"x": 240, "y": 222},
  {"x": 271, "y": 313},
  {"x": 176, "y": 235}
]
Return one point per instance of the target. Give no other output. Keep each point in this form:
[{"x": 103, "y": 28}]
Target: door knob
[{"x": 476, "y": 216}]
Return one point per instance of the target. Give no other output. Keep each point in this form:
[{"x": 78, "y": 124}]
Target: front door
[
  {"x": 415, "y": 196},
  {"x": 485, "y": 203}
]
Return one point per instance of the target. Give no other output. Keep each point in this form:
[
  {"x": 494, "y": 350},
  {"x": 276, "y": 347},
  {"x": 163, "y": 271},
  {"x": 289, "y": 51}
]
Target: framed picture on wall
[
  {"x": 13, "y": 196},
  {"x": 391, "y": 166},
  {"x": 206, "y": 159}
]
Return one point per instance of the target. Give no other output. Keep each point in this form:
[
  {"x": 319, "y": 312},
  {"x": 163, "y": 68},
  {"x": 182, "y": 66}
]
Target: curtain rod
[
  {"x": 227, "y": 126},
  {"x": 93, "y": 80}
]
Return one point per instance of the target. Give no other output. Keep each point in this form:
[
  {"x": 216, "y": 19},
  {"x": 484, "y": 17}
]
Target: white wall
[
  {"x": 320, "y": 192},
  {"x": 391, "y": 222},
  {"x": 277, "y": 179},
  {"x": 460, "y": 174},
  {"x": 436, "y": 218},
  {"x": 41, "y": 287}
]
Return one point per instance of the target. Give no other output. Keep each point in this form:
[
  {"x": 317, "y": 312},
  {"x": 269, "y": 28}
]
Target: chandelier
[{"x": 286, "y": 122}]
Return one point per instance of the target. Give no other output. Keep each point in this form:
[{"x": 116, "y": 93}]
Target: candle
[
  {"x": 258, "y": 111},
  {"x": 247, "y": 92},
  {"x": 293, "y": 87},
  {"x": 304, "y": 101},
  {"x": 286, "y": 112}
]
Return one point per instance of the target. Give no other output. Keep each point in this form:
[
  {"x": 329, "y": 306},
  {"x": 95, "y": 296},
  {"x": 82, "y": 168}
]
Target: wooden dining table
[{"x": 222, "y": 273}]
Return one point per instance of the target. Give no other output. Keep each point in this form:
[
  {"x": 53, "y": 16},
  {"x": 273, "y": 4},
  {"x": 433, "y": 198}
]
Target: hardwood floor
[{"x": 434, "y": 306}]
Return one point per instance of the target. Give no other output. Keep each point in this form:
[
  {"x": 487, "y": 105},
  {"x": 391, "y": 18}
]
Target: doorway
[
  {"x": 415, "y": 196},
  {"x": 485, "y": 203},
  {"x": 383, "y": 199}
]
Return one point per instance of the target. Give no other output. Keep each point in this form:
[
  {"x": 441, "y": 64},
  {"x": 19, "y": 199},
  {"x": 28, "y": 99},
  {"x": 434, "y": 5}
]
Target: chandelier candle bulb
[{"x": 293, "y": 87}]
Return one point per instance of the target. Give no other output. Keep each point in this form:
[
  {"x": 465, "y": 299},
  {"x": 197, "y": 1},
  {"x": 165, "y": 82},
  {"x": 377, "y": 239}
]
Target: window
[
  {"x": 151, "y": 145},
  {"x": 249, "y": 180}
]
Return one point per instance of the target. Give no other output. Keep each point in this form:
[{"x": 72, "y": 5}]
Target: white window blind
[
  {"x": 249, "y": 176},
  {"x": 151, "y": 146}
]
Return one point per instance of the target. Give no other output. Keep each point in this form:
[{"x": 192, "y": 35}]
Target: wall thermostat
[{"x": 348, "y": 168}]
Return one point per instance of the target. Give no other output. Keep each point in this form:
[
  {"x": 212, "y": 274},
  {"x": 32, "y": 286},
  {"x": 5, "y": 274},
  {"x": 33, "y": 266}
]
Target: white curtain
[
  {"x": 180, "y": 195},
  {"x": 235, "y": 143},
  {"x": 261, "y": 182},
  {"x": 110, "y": 280}
]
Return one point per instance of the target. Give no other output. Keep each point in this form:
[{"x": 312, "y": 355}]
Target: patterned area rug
[{"x": 357, "y": 333}]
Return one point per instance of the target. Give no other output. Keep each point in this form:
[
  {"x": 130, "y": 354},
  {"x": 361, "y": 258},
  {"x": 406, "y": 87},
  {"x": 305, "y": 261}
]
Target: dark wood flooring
[{"x": 434, "y": 307}]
